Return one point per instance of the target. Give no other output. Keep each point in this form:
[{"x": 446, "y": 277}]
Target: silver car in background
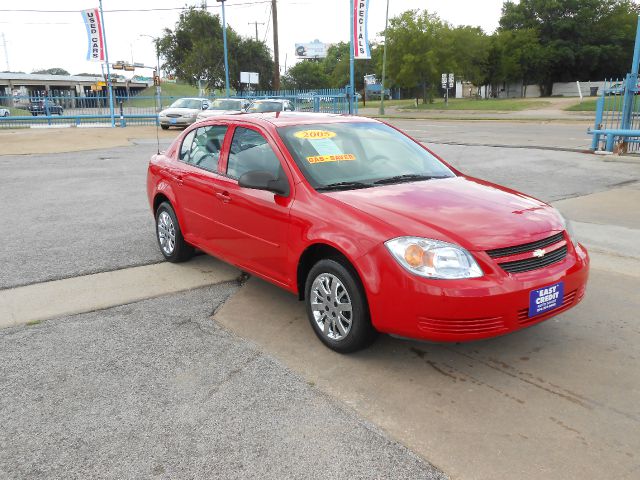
[
  {"x": 224, "y": 106},
  {"x": 183, "y": 112}
]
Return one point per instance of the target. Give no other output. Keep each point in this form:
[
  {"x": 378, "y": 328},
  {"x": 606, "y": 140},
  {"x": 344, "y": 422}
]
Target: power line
[{"x": 127, "y": 10}]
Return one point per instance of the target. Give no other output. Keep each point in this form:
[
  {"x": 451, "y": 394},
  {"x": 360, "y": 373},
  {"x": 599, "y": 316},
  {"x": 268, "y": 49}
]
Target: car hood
[
  {"x": 180, "y": 111},
  {"x": 475, "y": 214}
]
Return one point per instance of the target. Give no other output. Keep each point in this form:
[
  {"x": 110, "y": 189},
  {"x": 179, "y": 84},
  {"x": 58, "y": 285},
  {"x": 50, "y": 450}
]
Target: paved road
[
  {"x": 156, "y": 389},
  {"x": 545, "y": 135},
  {"x": 71, "y": 214}
]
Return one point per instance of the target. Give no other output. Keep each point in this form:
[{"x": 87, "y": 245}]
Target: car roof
[{"x": 285, "y": 119}]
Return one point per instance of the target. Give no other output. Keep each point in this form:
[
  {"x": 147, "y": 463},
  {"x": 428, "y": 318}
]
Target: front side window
[
  {"x": 250, "y": 151},
  {"x": 358, "y": 155},
  {"x": 206, "y": 146}
]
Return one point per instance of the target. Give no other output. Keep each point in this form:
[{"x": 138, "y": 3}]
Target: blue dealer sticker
[{"x": 546, "y": 298}]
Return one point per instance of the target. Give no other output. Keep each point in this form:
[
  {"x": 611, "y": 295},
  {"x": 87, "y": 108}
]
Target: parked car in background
[
  {"x": 270, "y": 105},
  {"x": 41, "y": 107},
  {"x": 183, "y": 112},
  {"x": 4, "y": 112},
  {"x": 223, "y": 106},
  {"x": 366, "y": 225}
]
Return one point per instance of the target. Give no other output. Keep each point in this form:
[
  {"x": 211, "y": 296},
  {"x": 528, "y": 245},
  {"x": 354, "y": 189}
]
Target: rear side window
[
  {"x": 206, "y": 146},
  {"x": 186, "y": 146},
  {"x": 250, "y": 151}
]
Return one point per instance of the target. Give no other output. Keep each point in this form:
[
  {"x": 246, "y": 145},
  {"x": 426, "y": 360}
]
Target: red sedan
[{"x": 367, "y": 226}]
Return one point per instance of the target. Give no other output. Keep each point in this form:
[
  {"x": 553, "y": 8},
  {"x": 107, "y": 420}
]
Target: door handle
[{"x": 223, "y": 197}]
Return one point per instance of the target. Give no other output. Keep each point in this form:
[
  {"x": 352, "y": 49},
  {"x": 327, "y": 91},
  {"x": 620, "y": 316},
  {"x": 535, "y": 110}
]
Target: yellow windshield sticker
[
  {"x": 314, "y": 134},
  {"x": 331, "y": 158}
]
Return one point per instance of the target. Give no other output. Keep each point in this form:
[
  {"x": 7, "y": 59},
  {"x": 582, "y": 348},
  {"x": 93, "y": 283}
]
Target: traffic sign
[
  {"x": 452, "y": 82},
  {"x": 444, "y": 80}
]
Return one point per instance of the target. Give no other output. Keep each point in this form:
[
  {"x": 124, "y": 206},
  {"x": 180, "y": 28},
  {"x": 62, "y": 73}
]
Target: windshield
[
  {"x": 187, "y": 103},
  {"x": 224, "y": 104},
  {"x": 358, "y": 155},
  {"x": 265, "y": 107}
]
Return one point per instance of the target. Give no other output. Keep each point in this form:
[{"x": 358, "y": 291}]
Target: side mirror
[
  {"x": 260, "y": 180},
  {"x": 205, "y": 106}
]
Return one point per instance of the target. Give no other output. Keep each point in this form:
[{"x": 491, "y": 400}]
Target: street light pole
[
  {"x": 156, "y": 43},
  {"x": 224, "y": 40},
  {"x": 384, "y": 60}
]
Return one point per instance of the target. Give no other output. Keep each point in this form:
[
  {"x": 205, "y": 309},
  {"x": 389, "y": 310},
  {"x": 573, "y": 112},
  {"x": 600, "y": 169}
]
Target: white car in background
[
  {"x": 4, "y": 112},
  {"x": 224, "y": 106},
  {"x": 183, "y": 112},
  {"x": 270, "y": 105}
]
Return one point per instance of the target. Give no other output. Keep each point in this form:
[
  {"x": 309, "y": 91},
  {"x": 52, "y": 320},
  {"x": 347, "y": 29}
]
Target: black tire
[
  {"x": 181, "y": 251},
  {"x": 164, "y": 127},
  {"x": 361, "y": 333}
]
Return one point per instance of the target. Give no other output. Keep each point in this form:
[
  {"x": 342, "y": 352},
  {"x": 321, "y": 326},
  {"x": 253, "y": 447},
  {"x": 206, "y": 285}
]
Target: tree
[
  {"x": 581, "y": 39},
  {"x": 419, "y": 48},
  {"x": 306, "y": 75},
  {"x": 52, "y": 71},
  {"x": 336, "y": 65},
  {"x": 195, "y": 50}
]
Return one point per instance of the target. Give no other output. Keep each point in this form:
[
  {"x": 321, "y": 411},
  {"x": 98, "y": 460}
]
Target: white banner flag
[
  {"x": 93, "y": 22},
  {"x": 360, "y": 40}
]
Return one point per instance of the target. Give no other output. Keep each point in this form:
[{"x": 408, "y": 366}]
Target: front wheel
[
  {"x": 170, "y": 239},
  {"x": 337, "y": 307},
  {"x": 164, "y": 127}
]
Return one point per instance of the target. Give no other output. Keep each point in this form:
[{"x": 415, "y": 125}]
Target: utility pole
[
  {"x": 276, "y": 53},
  {"x": 6, "y": 51},
  {"x": 224, "y": 40},
  {"x": 384, "y": 61},
  {"x": 256, "y": 24}
]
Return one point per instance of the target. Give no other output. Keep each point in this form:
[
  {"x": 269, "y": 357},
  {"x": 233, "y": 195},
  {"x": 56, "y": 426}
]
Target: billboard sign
[
  {"x": 315, "y": 49},
  {"x": 93, "y": 24}
]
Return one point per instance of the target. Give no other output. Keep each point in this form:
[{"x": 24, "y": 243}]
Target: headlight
[
  {"x": 569, "y": 228},
  {"x": 433, "y": 258}
]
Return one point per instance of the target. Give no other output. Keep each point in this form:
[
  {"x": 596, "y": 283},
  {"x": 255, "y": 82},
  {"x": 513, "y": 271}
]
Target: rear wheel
[
  {"x": 337, "y": 307},
  {"x": 164, "y": 127},
  {"x": 170, "y": 239}
]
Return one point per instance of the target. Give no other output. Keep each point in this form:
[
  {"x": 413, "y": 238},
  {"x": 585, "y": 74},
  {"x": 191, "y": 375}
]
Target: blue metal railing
[{"x": 27, "y": 111}]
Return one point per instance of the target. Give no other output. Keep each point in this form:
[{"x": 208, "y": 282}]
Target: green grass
[
  {"x": 387, "y": 103},
  {"x": 506, "y": 104},
  {"x": 18, "y": 112},
  {"x": 584, "y": 106}
]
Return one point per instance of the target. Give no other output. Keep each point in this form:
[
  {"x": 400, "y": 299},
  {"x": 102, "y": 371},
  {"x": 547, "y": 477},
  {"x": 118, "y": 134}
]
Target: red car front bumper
[{"x": 461, "y": 310}]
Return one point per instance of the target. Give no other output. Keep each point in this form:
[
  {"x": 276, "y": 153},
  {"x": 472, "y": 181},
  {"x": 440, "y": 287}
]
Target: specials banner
[
  {"x": 360, "y": 37},
  {"x": 95, "y": 49}
]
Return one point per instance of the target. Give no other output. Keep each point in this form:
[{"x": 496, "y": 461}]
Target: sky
[{"x": 39, "y": 40}]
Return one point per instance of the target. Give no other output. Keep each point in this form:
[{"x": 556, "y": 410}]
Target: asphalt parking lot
[{"x": 154, "y": 387}]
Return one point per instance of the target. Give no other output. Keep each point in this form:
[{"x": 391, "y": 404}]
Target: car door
[
  {"x": 199, "y": 173},
  {"x": 254, "y": 224}
]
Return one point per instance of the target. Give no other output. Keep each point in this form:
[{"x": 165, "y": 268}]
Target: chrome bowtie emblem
[{"x": 539, "y": 253}]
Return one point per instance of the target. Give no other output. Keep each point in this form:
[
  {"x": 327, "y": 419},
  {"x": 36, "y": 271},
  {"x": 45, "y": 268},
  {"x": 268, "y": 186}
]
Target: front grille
[
  {"x": 468, "y": 326},
  {"x": 534, "y": 263},
  {"x": 174, "y": 115},
  {"x": 525, "y": 247},
  {"x": 569, "y": 300}
]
